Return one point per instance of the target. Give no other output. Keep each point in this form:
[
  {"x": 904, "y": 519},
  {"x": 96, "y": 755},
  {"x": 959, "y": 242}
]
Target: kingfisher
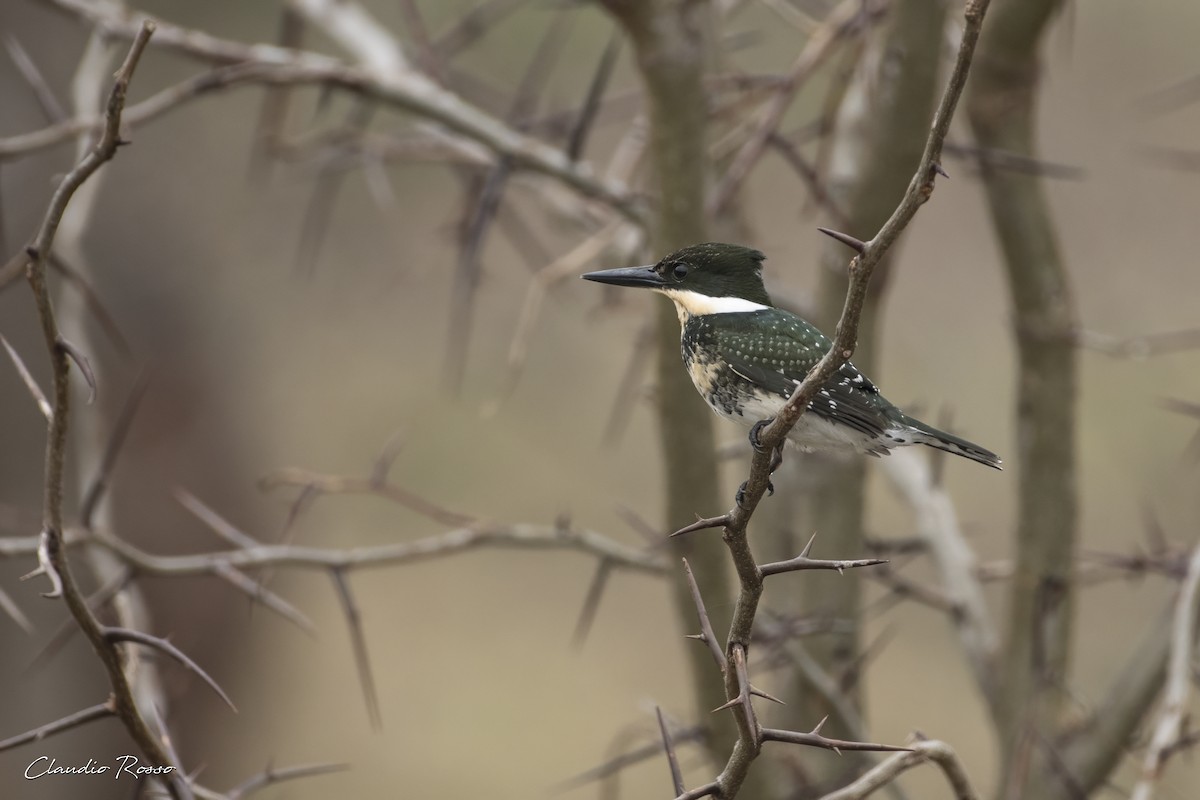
[{"x": 746, "y": 357}]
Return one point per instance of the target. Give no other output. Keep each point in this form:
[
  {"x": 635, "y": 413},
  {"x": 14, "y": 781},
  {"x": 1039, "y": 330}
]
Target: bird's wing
[{"x": 849, "y": 398}]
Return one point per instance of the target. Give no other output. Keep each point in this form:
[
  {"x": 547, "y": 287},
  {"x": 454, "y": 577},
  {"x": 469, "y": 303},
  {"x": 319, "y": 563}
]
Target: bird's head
[{"x": 702, "y": 279}]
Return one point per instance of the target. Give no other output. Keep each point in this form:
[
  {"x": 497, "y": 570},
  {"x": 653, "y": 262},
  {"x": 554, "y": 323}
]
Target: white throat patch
[{"x": 694, "y": 304}]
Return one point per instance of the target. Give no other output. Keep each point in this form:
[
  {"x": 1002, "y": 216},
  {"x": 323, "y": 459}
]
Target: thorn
[
  {"x": 837, "y": 750},
  {"x": 841, "y": 571},
  {"x": 844, "y": 238},
  {"x": 808, "y": 547},
  {"x": 84, "y": 365},
  {"x": 735, "y": 701},
  {"x": 34, "y": 574},
  {"x": 817, "y": 730},
  {"x": 940, "y": 170},
  {"x": 765, "y": 696},
  {"x": 701, "y": 523},
  {"x": 699, "y": 637}
]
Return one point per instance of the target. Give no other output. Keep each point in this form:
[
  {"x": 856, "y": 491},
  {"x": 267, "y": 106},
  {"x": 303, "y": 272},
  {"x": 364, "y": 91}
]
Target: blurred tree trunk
[
  {"x": 668, "y": 37},
  {"x": 1002, "y": 104},
  {"x": 879, "y": 136}
]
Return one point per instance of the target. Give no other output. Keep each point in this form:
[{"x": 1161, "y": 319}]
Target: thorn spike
[
  {"x": 808, "y": 547},
  {"x": 845, "y": 238}
]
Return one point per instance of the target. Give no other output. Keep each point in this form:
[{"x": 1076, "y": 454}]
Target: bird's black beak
[{"x": 646, "y": 277}]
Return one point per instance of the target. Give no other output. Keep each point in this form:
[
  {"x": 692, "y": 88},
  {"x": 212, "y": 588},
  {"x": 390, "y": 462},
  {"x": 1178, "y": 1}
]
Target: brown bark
[
  {"x": 670, "y": 50},
  {"x": 1034, "y": 661}
]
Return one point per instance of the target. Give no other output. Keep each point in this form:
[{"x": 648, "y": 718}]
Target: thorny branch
[
  {"x": 398, "y": 85},
  {"x": 1168, "y": 727},
  {"x": 52, "y": 554},
  {"x": 773, "y": 436}
]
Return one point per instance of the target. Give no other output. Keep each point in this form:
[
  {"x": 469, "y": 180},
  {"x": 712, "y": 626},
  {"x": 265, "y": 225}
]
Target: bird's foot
[
  {"x": 740, "y": 497},
  {"x": 776, "y": 460},
  {"x": 756, "y": 433}
]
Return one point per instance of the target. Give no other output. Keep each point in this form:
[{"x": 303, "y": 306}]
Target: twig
[
  {"x": 803, "y": 562},
  {"x": 51, "y": 108},
  {"x": 846, "y": 17},
  {"x": 624, "y": 400},
  {"x": 163, "y": 646},
  {"x": 99, "y": 483},
  {"x": 317, "y": 484},
  {"x": 41, "y": 732},
  {"x": 937, "y": 525},
  {"x": 358, "y": 641},
  {"x": 27, "y": 378},
  {"x": 706, "y": 635},
  {"x": 814, "y": 739},
  {"x": 567, "y": 265},
  {"x": 406, "y": 89},
  {"x": 613, "y": 766},
  {"x": 669, "y": 749},
  {"x": 591, "y": 602},
  {"x": 271, "y": 776},
  {"x": 592, "y": 100},
  {"x": 52, "y": 553},
  {"x": 10, "y": 607},
  {"x": 922, "y": 752},
  {"x": 1168, "y": 725}
]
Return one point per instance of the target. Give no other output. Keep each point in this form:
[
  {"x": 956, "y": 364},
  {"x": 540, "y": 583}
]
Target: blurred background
[{"x": 270, "y": 346}]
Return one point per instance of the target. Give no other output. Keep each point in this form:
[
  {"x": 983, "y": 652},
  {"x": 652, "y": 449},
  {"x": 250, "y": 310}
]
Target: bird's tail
[{"x": 929, "y": 435}]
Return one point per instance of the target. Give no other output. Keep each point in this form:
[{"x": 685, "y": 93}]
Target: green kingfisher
[{"x": 746, "y": 357}]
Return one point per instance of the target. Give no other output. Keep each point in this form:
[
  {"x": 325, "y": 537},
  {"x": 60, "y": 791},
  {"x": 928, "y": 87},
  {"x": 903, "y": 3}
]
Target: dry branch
[
  {"x": 772, "y": 437},
  {"x": 52, "y": 551},
  {"x": 402, "y": 88},
  {"x": 1168, "y": 727},
  {"x": 922, "y": 752}
]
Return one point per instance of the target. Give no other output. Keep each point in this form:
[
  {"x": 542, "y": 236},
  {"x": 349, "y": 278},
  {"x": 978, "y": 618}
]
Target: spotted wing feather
[{"x": 777, "y": 350}]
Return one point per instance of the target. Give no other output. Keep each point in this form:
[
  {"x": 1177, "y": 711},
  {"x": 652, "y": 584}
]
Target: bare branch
[
  {"x": 51, "y": 108},
  {"x": 259, "y": 593},
  {"x": 591, "y": 602},
  {"x": 96, "y": 489},
  {"x": 68, "y": 722},
  {"x": 814, "y": 739},
  {"x": 609, "y": 768},
  {"x": 595, "y": 94},
  {"x": 921, "y": 752},
  {"x": 707, "y": 635},
  {"x": 937, "y": 525},
  {"x": 803, "y": 562},
  {"x": 28, "y": 379},
  {"x": 669, "y": 748},
  {"x": 405, "y": 89},
  {"x": 567, "y": 265},
  {"x": 10, "y": 607},
  {"x": 271, "y": 776},
  {"x": 847, "y": 17},
  {"x": 358, "y": 641},
  {"x": 1172, "y": 713},
  {"x": 52, "y": 552}
]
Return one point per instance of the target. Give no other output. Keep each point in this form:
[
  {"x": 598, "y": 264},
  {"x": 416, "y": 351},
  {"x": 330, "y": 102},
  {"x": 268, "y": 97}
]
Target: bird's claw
[
  {"x": 740, "y": 497},
  {"x": 756, "y": 433}
]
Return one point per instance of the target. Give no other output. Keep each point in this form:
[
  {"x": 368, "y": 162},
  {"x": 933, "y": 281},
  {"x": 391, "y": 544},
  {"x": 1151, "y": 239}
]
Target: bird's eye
[{"x": 679, "y": 272}]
